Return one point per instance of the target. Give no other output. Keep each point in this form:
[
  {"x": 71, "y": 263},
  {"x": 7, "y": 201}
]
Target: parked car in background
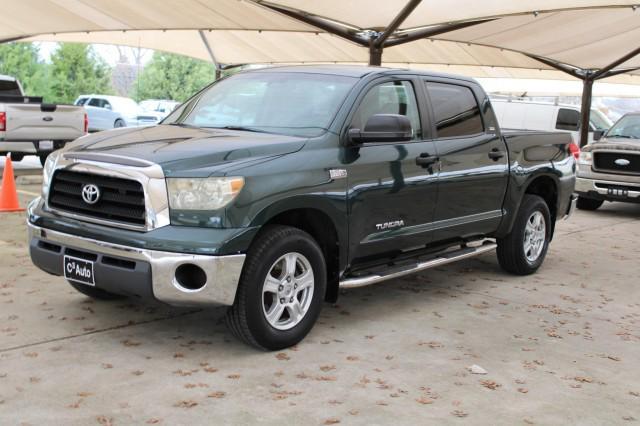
[
  {"x": 155, "y": 110},
  {"x": 609, "y": 169},
  {"x": 28, "y": 126},
  {"x": 109, "y": 112},
  {"x": 545, "y": 116},
  {"x": 324, "y": 177}
]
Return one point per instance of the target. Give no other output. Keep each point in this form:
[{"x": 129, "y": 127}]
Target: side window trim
[
  {"x": 436, "y": 136},
  {"x": 418, "y": 99}
]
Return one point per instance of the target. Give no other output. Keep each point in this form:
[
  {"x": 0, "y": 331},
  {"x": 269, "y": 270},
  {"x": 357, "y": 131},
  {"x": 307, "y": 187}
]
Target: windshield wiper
[
  {"x": 190, "y": 126},
  {"x": 623, "y": 136},
  {"x": 241, "y": 128}
]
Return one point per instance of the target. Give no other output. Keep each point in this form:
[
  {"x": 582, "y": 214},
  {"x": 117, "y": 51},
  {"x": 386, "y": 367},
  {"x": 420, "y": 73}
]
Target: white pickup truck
[{"x": 30, "y": 127}]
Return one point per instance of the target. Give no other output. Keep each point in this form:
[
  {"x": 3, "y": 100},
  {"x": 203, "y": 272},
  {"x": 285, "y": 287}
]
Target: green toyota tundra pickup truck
[{"x": 269, "y": 191}]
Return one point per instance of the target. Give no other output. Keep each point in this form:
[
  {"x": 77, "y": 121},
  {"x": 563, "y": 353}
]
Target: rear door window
[
  {"x": 9, "y": 88},
  {"x": 568, "y": 119},
  {"x": 455, "y": 110}
]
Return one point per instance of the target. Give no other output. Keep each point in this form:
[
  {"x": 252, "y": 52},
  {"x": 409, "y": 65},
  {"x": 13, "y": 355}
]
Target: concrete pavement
[{"x": 559, "y": 347}]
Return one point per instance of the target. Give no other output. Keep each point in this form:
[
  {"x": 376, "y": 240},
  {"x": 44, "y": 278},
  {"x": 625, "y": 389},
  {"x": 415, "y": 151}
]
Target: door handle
[
  {"x": 426, "y": 160},
  {"x": 496, "y": 154}
]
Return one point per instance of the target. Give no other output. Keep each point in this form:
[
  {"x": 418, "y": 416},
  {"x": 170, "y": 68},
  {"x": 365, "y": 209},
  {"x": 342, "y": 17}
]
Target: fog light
[{"x": 190, "y": 277}]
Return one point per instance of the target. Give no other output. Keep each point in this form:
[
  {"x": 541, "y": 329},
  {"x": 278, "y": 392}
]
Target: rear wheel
[
  {"x": 281, "y": 290},
  {"x": 524, "y": 249},
  {"x": 94, "y": 292},
  {"x": 588, "y": 203},
  {"x": 43, "y": 157},
  {"x": 17, "y": 157}
]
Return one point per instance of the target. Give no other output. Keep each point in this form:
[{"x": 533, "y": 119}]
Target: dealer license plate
[{"x": 78, "y": 270}]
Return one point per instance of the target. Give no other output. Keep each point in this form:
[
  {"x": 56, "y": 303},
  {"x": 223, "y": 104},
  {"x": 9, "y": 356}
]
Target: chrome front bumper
[
  {"x": 584, "y": 186},
  {"x": 222, "y": 272}
]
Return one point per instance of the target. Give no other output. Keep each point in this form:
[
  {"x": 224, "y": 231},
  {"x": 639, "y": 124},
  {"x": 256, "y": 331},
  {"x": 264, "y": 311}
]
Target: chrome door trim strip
[{"x": 431, "y": 226}]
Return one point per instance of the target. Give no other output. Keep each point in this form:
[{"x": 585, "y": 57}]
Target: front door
[
  {"x": 474, "y": 167},
  {"x": 391, "y": 197}
]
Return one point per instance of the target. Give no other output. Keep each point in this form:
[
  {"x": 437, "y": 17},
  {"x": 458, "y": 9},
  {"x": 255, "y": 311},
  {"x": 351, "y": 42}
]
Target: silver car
[{"x": 109, "y": 112}]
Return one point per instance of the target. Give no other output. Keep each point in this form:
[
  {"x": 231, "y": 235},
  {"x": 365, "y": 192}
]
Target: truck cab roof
[{"x": 356, "y": 71}]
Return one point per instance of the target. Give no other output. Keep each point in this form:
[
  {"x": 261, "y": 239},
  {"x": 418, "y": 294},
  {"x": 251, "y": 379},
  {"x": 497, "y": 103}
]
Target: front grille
[
  {"x": 121, "y": 200},
  {"x": 606, "y": 162}
]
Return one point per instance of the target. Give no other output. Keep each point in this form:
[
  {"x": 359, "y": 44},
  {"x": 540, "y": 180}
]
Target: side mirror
[
  {"x": 381, "y": 128},
  {"x": 598, "y": 134}
]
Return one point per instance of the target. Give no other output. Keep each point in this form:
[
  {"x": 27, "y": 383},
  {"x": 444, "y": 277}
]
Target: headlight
[
  {"x": 585, "y": 158},
  {"x": 203, "y": 193},
  {"x": 47, "y": 172}
]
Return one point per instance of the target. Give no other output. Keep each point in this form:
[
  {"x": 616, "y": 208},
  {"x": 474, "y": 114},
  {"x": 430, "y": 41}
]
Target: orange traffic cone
[{"x": 8, "y": 195}]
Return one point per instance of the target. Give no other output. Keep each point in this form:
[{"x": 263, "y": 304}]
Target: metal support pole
[
  {"x": 216, "y": 65},
  {"x": 375, "y": 55},
  {"x": 585, "y": 109}
]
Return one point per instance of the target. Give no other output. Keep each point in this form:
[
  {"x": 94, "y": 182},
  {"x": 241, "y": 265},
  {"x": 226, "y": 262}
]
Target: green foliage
[
  {"x": 77, "y": 70},
  {"x": 169, "y": 76},
  {"x": 20, "y": 60}
]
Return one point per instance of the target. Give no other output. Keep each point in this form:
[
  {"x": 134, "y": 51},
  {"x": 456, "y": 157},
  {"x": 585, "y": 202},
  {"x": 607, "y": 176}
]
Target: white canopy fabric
[{"x": 587, "y": 34}]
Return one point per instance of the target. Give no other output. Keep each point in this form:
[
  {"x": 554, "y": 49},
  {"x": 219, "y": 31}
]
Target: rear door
[
  {"x": 98, "y": 115},
  {"x": 473, "y": 161},
  {"x": 391, "y": 198}
]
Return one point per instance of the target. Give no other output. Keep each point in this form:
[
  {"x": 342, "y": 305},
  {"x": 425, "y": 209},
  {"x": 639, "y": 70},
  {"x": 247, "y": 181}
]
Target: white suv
[{"x": 109, "y": 112}]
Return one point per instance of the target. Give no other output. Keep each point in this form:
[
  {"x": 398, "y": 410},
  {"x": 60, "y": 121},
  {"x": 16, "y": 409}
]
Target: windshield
[
  {"x": 599, "y": 120},
  {"x": 627, "y": 127},
  {"x": 293, "y": 104}
]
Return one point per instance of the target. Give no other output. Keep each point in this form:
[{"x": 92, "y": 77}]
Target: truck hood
[
  {"x": 618, "y": 144},
  {"x": 188, "y": 151}
]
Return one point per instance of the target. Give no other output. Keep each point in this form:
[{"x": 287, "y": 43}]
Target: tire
[
  {"x": 119, "y": 123},
  {"x": 267, "y": 259},
  {"x": 94, "y": 292},
  {"x": 43, "y": 157},
  {"x": 17, "y": 157},
  {"x": 588, "y": 203},
  {"x": 517, "y": 253}
]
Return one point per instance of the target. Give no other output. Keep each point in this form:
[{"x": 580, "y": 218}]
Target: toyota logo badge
[{"x": 90, "y": 193}]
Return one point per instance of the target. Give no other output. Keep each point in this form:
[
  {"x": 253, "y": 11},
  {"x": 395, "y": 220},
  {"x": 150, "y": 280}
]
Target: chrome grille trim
[{"x": 150, "y": 176}]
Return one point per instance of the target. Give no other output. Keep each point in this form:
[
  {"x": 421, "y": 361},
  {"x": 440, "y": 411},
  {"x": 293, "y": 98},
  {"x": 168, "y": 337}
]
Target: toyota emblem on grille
[
  {"x": 622, "y": 162},
  {"x": 90, "y": 193}
]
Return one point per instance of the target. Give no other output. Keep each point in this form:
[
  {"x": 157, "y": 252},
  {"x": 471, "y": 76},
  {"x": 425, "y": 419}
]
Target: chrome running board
[{"x": 441, "y": 259}]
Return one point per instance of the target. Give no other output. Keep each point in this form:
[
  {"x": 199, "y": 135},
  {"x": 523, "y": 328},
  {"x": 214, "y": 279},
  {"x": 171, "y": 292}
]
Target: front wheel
[
  {"x": 588, "y": 203},
  {"x": 523, "y": 250},
  {"x": 281, "y": 289},
  {"x": 119, "y": 123}
]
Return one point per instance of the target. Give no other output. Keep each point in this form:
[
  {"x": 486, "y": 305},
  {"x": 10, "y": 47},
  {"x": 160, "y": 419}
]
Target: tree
[
  {"x": 77, "y": 70},
  {"x": 20, "y": 60},
  {"x": 169, "y": 76}
]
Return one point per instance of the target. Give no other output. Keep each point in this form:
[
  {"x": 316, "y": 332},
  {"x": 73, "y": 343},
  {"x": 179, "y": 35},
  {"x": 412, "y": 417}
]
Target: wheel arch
[
  {"x": 543, "y": 184},
  {"x": 318, "y": 220}
]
